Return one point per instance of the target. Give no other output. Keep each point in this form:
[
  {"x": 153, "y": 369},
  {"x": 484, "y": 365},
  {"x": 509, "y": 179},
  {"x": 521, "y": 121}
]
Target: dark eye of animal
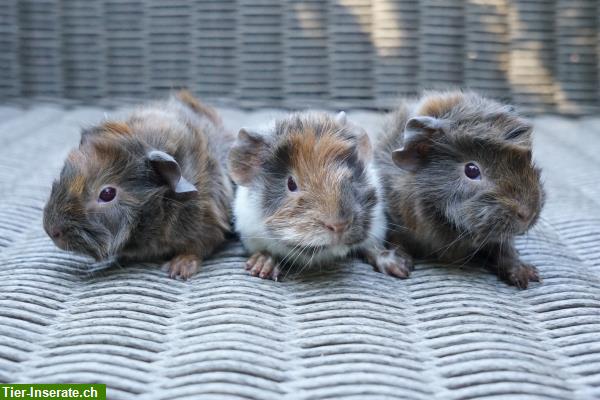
[
  {"x": 107, "y": 194},
  {"x": 472, "y": 171},
  {"x": 292, "y": 187}
]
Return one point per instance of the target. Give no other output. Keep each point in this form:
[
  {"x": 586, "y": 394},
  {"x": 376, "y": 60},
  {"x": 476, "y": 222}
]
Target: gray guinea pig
[
  {"x": 460, "y": 182},
  {"x": 150, "y": 187},
  {"x": 308, "y": 194}
]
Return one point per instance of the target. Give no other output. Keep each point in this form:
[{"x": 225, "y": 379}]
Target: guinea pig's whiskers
[
  {"x": 92, "y": 212},
  {"x": 540, "y": 229},
  {"x": 543, "y": 220},
  {"x": 302, "y": 253},
  {"x": 449, "y": 245},
  {"x": 527, "y": 240},
  {"x": 299, "y": 252},
  {"x": 480, "y": 246},
  {"x": 261, "y": 237},
  {"x": 285, "y": 259},
  {"x": 104, "y": 264},
  {"x": 314, "y": 252},
  {"x": 371, "y": 235},
  {"x": 296, "y": 261},
  {"x": 397, "y": 228},
  {"x": 387, "y": 242}
]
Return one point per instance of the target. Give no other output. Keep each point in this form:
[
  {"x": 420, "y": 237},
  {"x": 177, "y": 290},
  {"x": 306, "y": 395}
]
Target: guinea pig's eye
[
  {"x": 291, "y": 183},
  {"x": 472, "y": 171},
  {"x": 107, "y": 194}
]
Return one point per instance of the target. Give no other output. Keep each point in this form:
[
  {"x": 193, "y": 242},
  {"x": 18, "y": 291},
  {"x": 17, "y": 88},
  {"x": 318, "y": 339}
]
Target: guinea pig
[
  {"x": 308, "y": 194},
  {"x": 153, "y": 186},
  {"x": 460, "y": 182}
]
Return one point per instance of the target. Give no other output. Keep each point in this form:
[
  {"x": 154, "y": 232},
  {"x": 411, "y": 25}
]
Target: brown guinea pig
[
  {"x": 149, "y": 187},
  {"x": 460, "y": 183},
  {"x": 308, "y": 194}
]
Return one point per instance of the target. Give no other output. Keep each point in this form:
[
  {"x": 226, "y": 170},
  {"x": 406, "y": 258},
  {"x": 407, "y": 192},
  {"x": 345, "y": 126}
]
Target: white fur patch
[
  {"x": 249, "y": 223},
  {"x": 378, "y": 227}
]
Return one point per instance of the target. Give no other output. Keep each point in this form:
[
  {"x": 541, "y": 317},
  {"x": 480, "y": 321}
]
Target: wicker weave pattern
[
  {"x": 541, "y": 54},
  {"x": 348, "y": 332}
]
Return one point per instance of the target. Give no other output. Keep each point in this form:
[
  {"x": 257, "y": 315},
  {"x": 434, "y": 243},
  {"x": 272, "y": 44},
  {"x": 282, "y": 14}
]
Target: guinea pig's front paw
[
  {"x": 263, "y": 265},
  {"x": 520, "y": 274},
  {"x": 390, "y": 263},
  {"x": 183, "y": 266}
]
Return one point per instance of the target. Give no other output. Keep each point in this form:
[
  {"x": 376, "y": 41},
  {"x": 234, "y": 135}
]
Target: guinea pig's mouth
[
  {"x": 350, "y": 238},
  {"x": 316, "y": 249},
  {"x": 496, "y": 232},
  {"x": 83, "y": 243},
  {"x": 308, "y": 248}
]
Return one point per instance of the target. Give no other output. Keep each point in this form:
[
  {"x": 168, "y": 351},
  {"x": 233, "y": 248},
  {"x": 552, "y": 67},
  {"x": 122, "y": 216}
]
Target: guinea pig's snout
[
  {"x": 337, "y": 227},
  {"x": 525, "y": 216},
  {"x": 57, "y": 232}
]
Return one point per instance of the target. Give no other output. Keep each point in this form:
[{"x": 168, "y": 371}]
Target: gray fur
[{"x": 435, "y": 210}]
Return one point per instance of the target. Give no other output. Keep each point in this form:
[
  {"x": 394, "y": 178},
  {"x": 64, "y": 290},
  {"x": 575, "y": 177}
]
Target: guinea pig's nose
[
  {"x": 56, "y": 232},
  {"x": 524, "y": 214},
  {"x": 337, "y": 226}
]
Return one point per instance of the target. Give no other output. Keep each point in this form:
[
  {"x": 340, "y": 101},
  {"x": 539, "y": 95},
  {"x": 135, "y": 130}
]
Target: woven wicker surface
[
  {"x": 541, "y": 54},
  {"x": 347, "y": 332}
]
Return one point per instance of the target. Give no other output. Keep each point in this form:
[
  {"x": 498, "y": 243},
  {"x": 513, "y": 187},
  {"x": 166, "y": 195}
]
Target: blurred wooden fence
[{"x": 541, "y": 54}]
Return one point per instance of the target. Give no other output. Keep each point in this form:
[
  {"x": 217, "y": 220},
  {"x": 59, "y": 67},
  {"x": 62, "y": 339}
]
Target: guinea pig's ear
[
  {"x": 363, "y": 143},
  {"x": 363, "y": 147},
  {"x": 520, "y": 135},
  {"x": 245, "y": 156},
  {"x": 341, "y": 118},
  {"x": 168, "y": 168},
  {"x": 416, "y": 142}
]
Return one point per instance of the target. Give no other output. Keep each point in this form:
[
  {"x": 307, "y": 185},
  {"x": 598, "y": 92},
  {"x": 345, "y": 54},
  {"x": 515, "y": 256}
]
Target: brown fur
[
  {"x": 246, "y": 157},
  {"x": 147, "y": 221},
  {"x": 439, "y": 105},
  {"x": 316, "y": 149},
  {"x": 202, "y": 109},
  {"x": 315, "y": 166},
  {"x": 116, "y": 128},
  {"x": 334, "y": 208},
  {"x": 314, "y": 161},
  {"x": 77, "y": 185}
]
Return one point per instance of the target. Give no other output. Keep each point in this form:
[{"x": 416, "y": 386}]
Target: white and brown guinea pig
[
  {"x": 460, "y": 182},
  {"x": 308, "y": 194},
  {"x": 152, "y": 186}
]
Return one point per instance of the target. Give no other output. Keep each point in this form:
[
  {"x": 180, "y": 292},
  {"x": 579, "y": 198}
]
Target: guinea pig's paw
[
  {"x": 263, "y": 266},
  {"x": 390, "y": 263},
  {"x": 182, "y": 266},
  {"x": 520, "y": 274}
]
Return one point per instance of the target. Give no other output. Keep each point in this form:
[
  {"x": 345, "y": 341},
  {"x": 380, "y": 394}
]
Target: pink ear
[
  {"x": 365, "y": 150},
  {"x": 423, "y": 124},
  {"x": 363, "y": 143},
  {"x": 410, "y": 157},
  {"x": 246, "y": 155},
  {"x": 416, "y": 142}
]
